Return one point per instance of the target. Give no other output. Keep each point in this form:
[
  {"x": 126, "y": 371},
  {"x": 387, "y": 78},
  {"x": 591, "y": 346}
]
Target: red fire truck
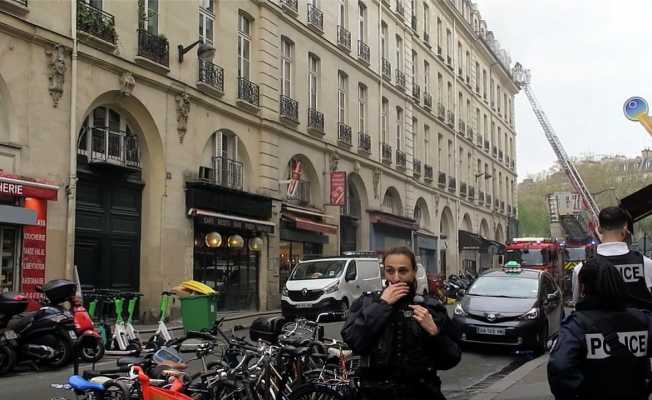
[{"x": 537, "y": 253}]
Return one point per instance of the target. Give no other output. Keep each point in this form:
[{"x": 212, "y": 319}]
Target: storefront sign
[
  {"x": 33, "y": 258},
  {"x": 338, "y": 188},
  {"x": 14, "y": 187},
  {"x": 235, "y": 224}
]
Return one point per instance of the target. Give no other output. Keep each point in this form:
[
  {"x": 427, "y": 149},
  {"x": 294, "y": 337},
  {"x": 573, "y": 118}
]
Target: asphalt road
[{"x": 478, "y": 369}]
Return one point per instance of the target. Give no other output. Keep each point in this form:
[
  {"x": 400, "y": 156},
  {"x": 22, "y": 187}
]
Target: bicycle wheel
[{"x": 311, "y": 391}]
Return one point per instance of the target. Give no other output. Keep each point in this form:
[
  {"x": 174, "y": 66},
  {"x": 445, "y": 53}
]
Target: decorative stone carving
[
  {"x": 357, "y": 167},
  {"x": 127, "y": 83},
  {"x": 333, "y": 161},
  {"x": 183, "y": 109},
  {"x": 56, "y": 72},
  {"x": 376, "y": 181}
]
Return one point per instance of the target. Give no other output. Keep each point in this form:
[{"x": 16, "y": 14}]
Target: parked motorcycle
[
  {"x": 44, "y": 336},
  {"x": 8, "y": 338}
]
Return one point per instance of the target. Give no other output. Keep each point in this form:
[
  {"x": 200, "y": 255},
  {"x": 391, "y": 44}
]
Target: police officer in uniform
[
  {"x": 403, "y": 338},
  {"x": 635, "y": 269},
  {"x": 602, "y": 349}
]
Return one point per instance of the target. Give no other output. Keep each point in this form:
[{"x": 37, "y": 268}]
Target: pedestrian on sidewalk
[
  {"x": 635, "y": 268},
  {"x": 403, "y": 338},
  {"x": 602, "y": 349}
]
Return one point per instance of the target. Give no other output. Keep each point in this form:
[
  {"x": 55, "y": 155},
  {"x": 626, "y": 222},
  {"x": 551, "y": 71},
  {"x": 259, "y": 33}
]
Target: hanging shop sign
[
  {"x": 295, "y": 177},
  {"x": 338, "y": 188}
]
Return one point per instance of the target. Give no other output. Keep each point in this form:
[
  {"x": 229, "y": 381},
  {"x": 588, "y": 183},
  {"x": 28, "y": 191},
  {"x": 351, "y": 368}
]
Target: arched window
[{"x": 107, "y": 137}]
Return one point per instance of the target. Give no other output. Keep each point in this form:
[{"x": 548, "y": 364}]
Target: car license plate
[
  {"x": 10, "y": 335},
  {"x": 304, "y": 305},
  {"x": 72, "y": 335},
  {"x": 483, "y": 330}
]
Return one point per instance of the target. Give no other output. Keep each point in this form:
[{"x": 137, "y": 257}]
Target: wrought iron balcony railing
[
  {"x": 427, "y": 100},
  {"x": 154, "y": 47},
  {"x": 224, "y": 172},
  {"x": 364, "y": 142},
  {"x": 428, "y": 173},
  {"x": 315, "y": 120},
  {"x": 248, "y": 91},
  {"x": 401, "y": 160},
  {"x": 387, "y": 70},
  {"x": 400, "y": 79},
  {"x": 291, "y": 6},
  {"x": 386, "y": 153},
  {"x": 102, "y": 145},
  {"x": 363, "y": 52},
  {"x": 344, "y": 135},
  {"x": 212, "y": 75},
  {"x": 416, "y": 168},
  {"x": 416, "y": 92},
  {"x": 343, "y": 38},
  {"x": 289, "y": 108},
  {"x": 441, "y": 181},
  {"x": 95, "y": 22},
  {"x": 301, "y": 194},
  {"x": 315, "y": 18}
]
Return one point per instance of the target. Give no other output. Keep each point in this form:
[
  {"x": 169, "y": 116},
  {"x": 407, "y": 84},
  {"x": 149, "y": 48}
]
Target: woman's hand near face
[
  {"x": 394, "y": 292},
  {"x": 424, "y": 318}
]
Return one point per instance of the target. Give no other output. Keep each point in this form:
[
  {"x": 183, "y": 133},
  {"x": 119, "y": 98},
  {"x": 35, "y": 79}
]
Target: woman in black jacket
[{"x": 403, "y": 338}]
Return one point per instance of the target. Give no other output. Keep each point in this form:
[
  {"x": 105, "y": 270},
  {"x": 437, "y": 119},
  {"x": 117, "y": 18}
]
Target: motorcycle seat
[
  {"x": 20, "y": 321},
  {"x": 127, "y": 361},
  {"x": 82, "y": 385}
]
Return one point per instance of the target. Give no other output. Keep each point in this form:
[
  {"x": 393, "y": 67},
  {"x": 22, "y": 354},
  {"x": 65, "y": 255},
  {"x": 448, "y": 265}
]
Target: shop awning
[
  {"x": 304, "y": 211},
  {"x": 17, "y": 215},
  {"x": 313, "y": 226},
  {"x": 469, "y": 240},
  {"x": 381, "y": 217},
  {"x": 231, "y": 221},
  {"x": 16, "y": 186}
]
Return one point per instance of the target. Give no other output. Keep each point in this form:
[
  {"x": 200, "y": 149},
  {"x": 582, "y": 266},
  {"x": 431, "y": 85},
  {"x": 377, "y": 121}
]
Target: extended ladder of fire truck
[{"x": 522, "y": 78}]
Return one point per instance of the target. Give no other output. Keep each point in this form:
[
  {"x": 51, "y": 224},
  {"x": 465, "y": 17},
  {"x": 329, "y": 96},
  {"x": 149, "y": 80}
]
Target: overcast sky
[{"x": 587, "y": 57}]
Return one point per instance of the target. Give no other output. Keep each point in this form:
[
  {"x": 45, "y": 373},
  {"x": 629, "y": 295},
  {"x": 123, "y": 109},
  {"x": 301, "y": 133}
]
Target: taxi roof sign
[{"x": 512, "y": 267}]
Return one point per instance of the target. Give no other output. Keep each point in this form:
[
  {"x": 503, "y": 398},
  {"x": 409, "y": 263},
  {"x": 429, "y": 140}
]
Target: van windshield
[{"x": 318, "y": 270}]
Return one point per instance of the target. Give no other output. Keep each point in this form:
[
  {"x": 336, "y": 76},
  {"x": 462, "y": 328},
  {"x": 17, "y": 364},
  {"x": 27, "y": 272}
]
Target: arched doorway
[
  {"x": 109, "y": 199},
  {"x": 447, "y": 239}
]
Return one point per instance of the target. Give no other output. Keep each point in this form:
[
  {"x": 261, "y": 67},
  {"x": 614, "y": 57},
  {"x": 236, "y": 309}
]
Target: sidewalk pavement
[
  {"x": 528, "y": 382},
  {"x": 231, "y": 319}
]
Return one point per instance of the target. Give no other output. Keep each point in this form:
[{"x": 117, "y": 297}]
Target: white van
[{"x": 328, "y": 284}]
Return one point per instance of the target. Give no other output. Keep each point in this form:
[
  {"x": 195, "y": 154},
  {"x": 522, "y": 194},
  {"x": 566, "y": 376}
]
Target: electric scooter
[
  {"x": 162, "y": 335},
  {"x": 119, "y": 343}
]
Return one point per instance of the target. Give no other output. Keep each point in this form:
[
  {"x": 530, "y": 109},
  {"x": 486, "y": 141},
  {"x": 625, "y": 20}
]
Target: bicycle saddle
[{"x": 82, "y": 385}]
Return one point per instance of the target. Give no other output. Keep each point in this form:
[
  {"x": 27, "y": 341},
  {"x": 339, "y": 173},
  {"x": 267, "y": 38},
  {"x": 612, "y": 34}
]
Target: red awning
[
  {"x": 309, "y": 225},
  {"x": 18, "y": 186}
]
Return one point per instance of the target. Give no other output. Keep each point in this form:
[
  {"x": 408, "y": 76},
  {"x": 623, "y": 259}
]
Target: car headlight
[
  {"x": 532, "y": 314},
  {"x": 284, "y": 292},
  {"x": 332, "y": 288},
  {"x": 459, "y": 311}
]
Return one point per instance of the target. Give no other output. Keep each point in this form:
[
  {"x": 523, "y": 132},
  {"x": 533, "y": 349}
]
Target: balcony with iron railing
[
  {"x": 487, "y": 201},
  {"x": 387, "y": 70},
  {"x": 95, "y": 22},
  {"x": 363, "y": 52},
  {"x": 289, "y": 109},
  {"x": 344, "y": 135},
  {"x": 386, "y": 153},
  {"x": 223, "y": 172},
  {"x": 364, "y": 143},
  {"x": 426, "y": 39},
  {"x": 416, "y": 168},
  {"x": 461, "y": 127},
  {"x": 211, "y": 77},
  {"x": 452, "y": 184},
  {"x": 416, "y": 92},
  {"x": 401, "y": 160},
  {"x": 315, "y": 121},
  {"x": 451, "y": 119},
  {"x": 248, "y": 93},
  {"x": 102, "y": 145},
  {"x": 441, "y": 181},
  {"x": 154, "y": 48},
  {"x": 400, "y": 80},
  {"x": 400, "y": 9},
  {"x": 427, "y": 100},
  {"x": 290, "y": 6},
  {"x": 315, "y": 19},
  {"x": 343, "y": 38},
  {"x": 471, "y": 193},
  {"x": 301, "y": 195},
  {"x": 441, "y": 111},
  {"x": 428, "y": 173}
]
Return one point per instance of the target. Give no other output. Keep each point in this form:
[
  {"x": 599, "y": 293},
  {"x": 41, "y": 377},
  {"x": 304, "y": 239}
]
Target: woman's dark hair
[
  {"x": 404, "y": 251},
  {"x": 604, "y": 282}
]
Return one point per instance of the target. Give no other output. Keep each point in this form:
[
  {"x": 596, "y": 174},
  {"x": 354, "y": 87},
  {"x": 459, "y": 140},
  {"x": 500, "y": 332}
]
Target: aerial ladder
[{"x": 522, "y": 78}]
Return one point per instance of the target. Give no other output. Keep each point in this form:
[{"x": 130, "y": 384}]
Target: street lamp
[{"x": 205, "y": 51}]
